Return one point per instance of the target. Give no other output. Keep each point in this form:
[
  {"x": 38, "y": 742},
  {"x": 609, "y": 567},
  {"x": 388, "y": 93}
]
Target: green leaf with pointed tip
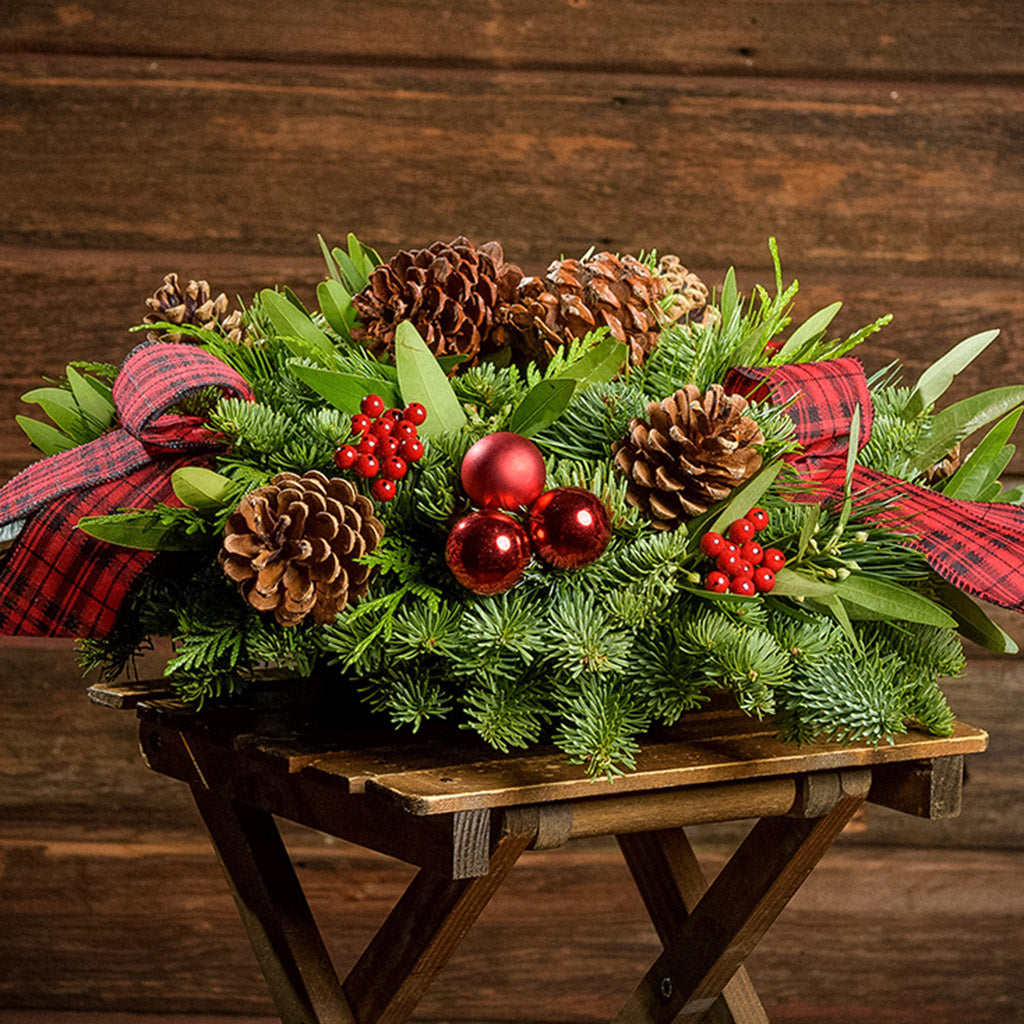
[
  {"x": 933, "y": 383},
  {"x": 812, "y": 516},
  {"x": 294, "y": 300},
  {"x": 543, "y": 404},
  {"x": 839, "y": 611},
  {"x": 744, "y": 498},
  {"x": 336, "y": 306},
  {"x": 291, "y": 322},
  {"x": 789, "y": 583},
  {"x": 61, "y": 407},
  {"x": 1014, "y": 496},
  {"x": 97, "y": 409},
  {"x": 345, "y": 391},
  {"x": 810, "y": 331},
  {"x": 730, "y": 296},
  {"x": 143, "y": 530},
  {"x": 599, "y": 365},
  {"x": 49, "y": 440},
  {"x": 876, "y": 598},
  {"x": 421, "y": 379},
  {"x": 448, "y": 363},
  {"x": 972, "y": 623},
  {"x": 201, "y": 488},
  {"x": 960, "y": 420},
  {"x": 332, "y": 266},
  {"x": 986, "y": 463}
]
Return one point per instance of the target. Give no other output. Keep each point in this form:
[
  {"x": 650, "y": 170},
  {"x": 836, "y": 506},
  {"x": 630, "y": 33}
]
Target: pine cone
[
  {"x": 292, "y": 546},
  {"x": 689, "y": 294},
  {"x": 193, "y": 305},
  {"x": 577, "y": 296},
  {"x": 450, "y": 291},
  {"x": 695, "y": 450},
  {"x": 944, "y": 468}
]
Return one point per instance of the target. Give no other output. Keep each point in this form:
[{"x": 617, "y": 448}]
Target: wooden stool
[{"x": 463, "y": 814}]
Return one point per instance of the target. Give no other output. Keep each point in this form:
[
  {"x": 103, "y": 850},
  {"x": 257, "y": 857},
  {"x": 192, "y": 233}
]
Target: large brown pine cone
[
  {"x": 578, "y": 296},
  {"x": 689, "y": 294},
  {"x": 292, "y": 546},
  {"x": 195, "y": 305},
  {"x": 449, "y": 291},
  {"x": 695, "y": 450}
]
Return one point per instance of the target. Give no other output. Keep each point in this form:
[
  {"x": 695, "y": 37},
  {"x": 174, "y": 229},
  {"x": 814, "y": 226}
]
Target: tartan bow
[
  {"x": 977, "y": 546},
  {"x": 59, "y": 581}
]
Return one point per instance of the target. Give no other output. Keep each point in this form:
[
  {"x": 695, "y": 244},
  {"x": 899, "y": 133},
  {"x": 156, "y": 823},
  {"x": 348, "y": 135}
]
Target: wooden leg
[
  {"x": 420, "y": 934},
  {"x": 274, "y": 911},
  {"x": 671, "y": 883},
  {"x": 713, "y": 941}
]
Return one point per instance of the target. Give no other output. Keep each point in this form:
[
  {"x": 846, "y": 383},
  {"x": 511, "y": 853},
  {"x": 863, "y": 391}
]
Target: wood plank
[
  {"x": 904, "y": 936},
  {"x": 877, "y": 176},
  {"x": 932, "y": 39}
]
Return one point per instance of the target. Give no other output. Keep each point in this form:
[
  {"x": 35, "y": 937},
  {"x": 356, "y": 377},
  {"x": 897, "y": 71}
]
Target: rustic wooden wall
[{"x": 880, "y": 142}]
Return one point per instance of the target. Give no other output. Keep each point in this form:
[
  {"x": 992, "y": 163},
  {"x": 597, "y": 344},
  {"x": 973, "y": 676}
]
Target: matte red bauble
[
  {"x": 569, "y": 527},
  {"x": 503, "y": 470},
  {"x": 487, "y": 552}
]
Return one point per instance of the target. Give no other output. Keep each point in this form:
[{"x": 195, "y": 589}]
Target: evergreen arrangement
[{"x": 428, "y": 581}]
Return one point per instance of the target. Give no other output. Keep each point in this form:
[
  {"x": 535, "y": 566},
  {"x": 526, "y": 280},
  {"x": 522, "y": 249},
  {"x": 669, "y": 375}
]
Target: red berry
[
  {"x": 411, "y": 450},
  {"x": 741, "y": 531},
  {"x": 361, "y": 423},
  {"x": 759, "y": 518},
  {"x": 367, "y": 466},
  {"x": 752, "y": 552},
  {"x": 395, "y": 414},
  {"x": 772, "y": 347},
  {"x": 405, "y": 429},
  {"x": 394, "y": 468},
  {"x": 743, "y": 585},
  {"x": 372, "y": 405},
  {"x": 728, "y": 563},
  {"x": 383, "y": 488},
  {"x": 774, "y": 559},
  {"x": 368, "y": 444},
  {"x": 745, "y": 569},
  {"x": 415, "y": 413},
  {"x": 716, "y": 582},
  {"x": 345, "y": 457},
  {"x": 733, "y": 549},
  {"x": 712, "y": 543},
  {"x": 388, "y": 446},
  {"x": 382, "y": 427},
  {"x": 764, "y": 579}
]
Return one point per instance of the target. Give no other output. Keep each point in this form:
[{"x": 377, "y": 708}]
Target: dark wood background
[{"x": 881, "y": 143}]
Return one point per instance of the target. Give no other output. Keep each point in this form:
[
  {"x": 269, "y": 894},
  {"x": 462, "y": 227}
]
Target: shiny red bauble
[
  {"x": 503, "y": 470},
  {"x": 569, "y": 527},
  {"x": 487, "y": 552}
]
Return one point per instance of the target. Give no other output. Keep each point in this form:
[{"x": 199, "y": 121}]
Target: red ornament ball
[
  {"x": 503, "y": 470},
  {"x": 569, "y": 527},
  {"x": 487, "y": 552}
]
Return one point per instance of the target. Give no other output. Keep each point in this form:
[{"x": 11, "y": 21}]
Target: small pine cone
[
  {"x": 292, "y": 546},
  {"x": 450, "y": 292},
  {"x": 695, "y": 450},
  {"x": 192, "y": 305},
  {"x": 688, "y": 292},
  {"x": 578, "y": 296},
  {"x": 944, "y": 468}
]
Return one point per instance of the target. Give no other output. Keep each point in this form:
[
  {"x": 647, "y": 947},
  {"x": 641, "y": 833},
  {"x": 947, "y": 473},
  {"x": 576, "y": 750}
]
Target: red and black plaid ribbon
[
  {"x": 59, "y": 581},
  {"x": 976, "y": 546}
]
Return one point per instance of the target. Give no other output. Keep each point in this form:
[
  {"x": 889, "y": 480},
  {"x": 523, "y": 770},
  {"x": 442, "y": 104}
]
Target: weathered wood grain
[
  {"x": 852, "y": 37},
  {"x": 902, "y": 936},
  {"x": 200, "y": 154}
]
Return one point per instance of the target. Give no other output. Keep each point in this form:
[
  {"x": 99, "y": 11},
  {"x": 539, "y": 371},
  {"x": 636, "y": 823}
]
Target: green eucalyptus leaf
[
  {"x": 294, "y": 300},
  {"x": 48, "y": 439},
  {"x": 810, "y": 331},
  {"x": 543, "y": 404},
  {"x": 961, "y": 419},
  {"x": 143, "y": 530},
  {"x": 933, "y": 383},
  {"x": 421, "y": 379},
  {"x": 986, "y": 463},
  {"x": 332, "y": 265},
  {"x": 790, "y": 583},
  {"x": 345, "y": 391},
  {"x": 877, "y": 598},
  {"x": 972, "y": 623},
  {"x": 1014, "y": 496},
  {"x": 730, "y": 296},
  {"x": 292, "y": 323},
  {"x": 599, "y": 365},
  {"x": 201, "y": 488},
  {"x": 61, "y": 407},
  {"x": 95, "y": 406},
  {"x": 336, "y": 306}
]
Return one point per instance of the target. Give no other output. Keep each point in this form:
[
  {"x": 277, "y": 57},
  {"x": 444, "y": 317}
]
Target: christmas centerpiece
[{"x": 564, "y": 508}]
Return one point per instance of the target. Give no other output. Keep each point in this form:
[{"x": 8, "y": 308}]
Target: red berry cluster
[
  {"x": 387, "y": 444},
  {"x": 742, "y": 566}
]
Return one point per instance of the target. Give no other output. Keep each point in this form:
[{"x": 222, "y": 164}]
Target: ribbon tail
[{"x": 977, "y": 546}]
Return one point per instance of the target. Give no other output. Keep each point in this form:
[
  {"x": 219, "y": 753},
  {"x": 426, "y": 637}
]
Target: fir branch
[{"x": 506, "y": 711}]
